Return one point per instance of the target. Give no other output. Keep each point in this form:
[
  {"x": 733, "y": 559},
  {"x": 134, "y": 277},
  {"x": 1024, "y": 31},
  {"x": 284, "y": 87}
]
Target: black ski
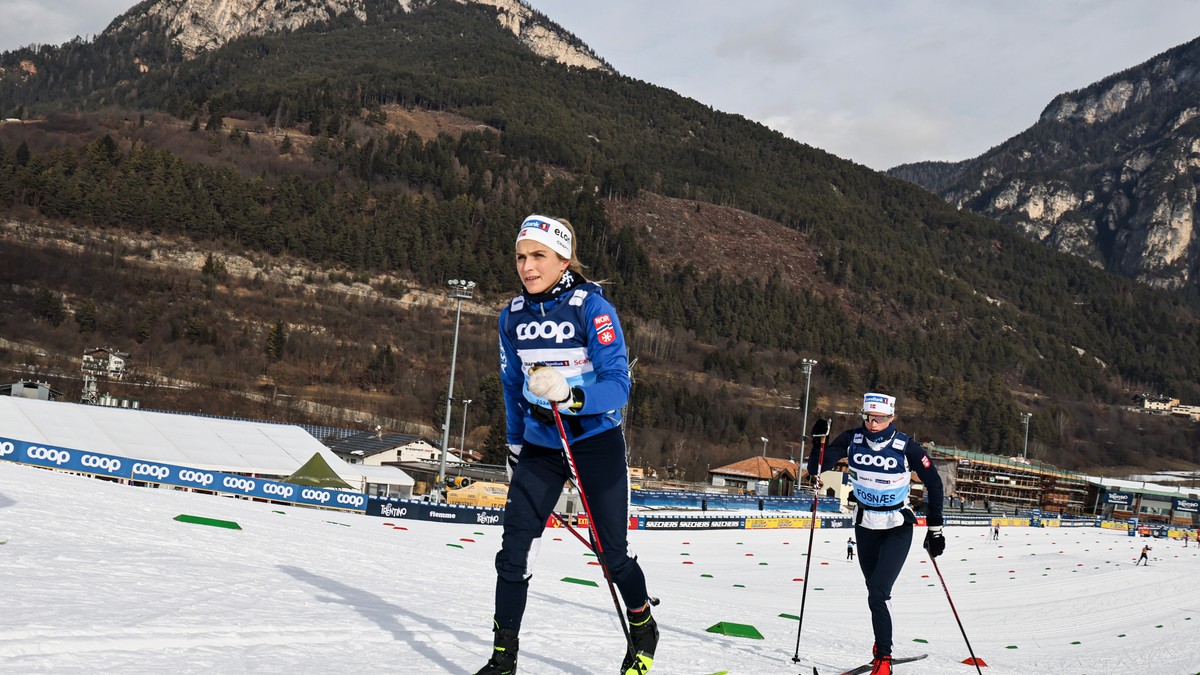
[{"x": 864, "y": 669}]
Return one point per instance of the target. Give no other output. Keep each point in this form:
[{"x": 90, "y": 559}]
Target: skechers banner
[
  {"x": 686, "y": 523},
  {"x": 168, "y": 474}
]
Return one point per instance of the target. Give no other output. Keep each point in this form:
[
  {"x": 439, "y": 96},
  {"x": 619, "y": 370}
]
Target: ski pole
[
  {"x": 974, "y": 661},
  {"x": 812, "y": 524},
  {"x": 565, "y": 522},
  {"x": 598, "y": 547}
]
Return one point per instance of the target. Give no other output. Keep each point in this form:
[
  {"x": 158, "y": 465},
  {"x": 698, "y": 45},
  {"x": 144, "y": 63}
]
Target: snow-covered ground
[{"x": 98, "y": 577}]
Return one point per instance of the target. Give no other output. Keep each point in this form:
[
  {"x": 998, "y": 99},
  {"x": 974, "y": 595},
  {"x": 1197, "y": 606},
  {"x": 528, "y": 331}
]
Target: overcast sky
[{"x": 881, "y": 82}]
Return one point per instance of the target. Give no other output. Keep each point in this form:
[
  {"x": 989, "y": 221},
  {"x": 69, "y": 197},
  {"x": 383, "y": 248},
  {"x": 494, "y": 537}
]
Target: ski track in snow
[{"x": 97, "y": 577}]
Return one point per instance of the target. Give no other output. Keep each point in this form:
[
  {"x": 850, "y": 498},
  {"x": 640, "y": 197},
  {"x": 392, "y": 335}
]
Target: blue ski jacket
[{"x": 578, "y": 333}]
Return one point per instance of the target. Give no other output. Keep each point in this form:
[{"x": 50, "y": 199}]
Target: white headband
[
  {"x": 880, "y": 404},
  {"x": 547, "y": 231}
]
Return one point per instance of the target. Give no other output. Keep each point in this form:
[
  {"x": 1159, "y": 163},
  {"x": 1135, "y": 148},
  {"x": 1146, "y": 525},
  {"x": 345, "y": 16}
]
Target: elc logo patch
[
  {"x": 925, "y": 461},
  {"x": 604, "y": 329}
]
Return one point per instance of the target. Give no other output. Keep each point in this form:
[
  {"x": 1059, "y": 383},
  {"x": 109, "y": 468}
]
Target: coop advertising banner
[
  {"x": 64, "y": 458},
  {"x": 81, "y": 461}
]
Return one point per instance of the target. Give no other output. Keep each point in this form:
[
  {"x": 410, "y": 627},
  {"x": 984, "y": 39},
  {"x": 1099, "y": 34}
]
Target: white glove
[
  {"x": 546, "y": 382},
  {"x": 514, "y": 453}
]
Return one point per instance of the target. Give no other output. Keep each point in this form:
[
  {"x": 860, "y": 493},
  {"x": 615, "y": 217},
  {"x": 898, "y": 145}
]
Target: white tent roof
[{"x": 183, "y": 440}]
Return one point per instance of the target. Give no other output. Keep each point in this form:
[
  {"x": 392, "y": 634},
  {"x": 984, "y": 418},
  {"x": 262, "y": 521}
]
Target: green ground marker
[
  {"x": 479, "y": 533},
  {"x": 790, "y": 616},
  {"x": 1077, "y": 642},
  {"x": 282, "y": 513},
  {"x": 1159, "y": 626},
  {"x": 1011, "y": 647},
  {"x": 706, "y": 576},
  {"x": 739, "y": 585},
  {"x": 331, "y": 522},
  {"x": 1121, "y": 635},
  {"x": 921, "y": 640},
  {"x": 581, "y": 582},
  {"x": 198, "y": 520},
  {"x": 684, "y": 554},
  {"x": 736, "y": 630},
  {"x": 761, "y": 564},
  {"x": 455, "y": 545},
  {"x": 589, "y": 555}
]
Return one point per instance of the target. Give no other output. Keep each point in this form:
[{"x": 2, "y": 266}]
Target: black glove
[
  {"x": 820, "y": 429},
  {"x": 935, "y": 542}
]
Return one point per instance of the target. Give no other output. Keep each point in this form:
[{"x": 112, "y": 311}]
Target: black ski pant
[
  {"x": 533, "y": 493},
  {"x": 881, "y": 555}
]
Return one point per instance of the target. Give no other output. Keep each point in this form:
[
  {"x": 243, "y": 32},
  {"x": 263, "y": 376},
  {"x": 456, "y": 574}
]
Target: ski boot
[
  {"x": 643, "y": 631},
  {"x": 504, "y": 654},
  {"x": 882, "y": 665}
]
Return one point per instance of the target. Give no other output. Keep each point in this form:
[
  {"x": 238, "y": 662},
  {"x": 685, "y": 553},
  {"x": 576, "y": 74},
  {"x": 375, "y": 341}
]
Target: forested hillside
[{"x": 289, "y": 147}]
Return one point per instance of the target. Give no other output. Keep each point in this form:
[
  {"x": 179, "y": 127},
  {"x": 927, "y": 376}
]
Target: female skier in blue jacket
[{"x": 561, "y": 345}]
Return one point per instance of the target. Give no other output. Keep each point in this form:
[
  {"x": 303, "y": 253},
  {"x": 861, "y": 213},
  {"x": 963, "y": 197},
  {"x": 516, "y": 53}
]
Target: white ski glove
[
  {"x": 546, "y": 382},
  {"x": 514, "y": 453}
]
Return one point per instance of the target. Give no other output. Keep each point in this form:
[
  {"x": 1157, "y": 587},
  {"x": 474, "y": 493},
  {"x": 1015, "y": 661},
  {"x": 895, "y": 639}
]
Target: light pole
[
  {"x": 764, "y": 440},
  {"x": 460, "y": 289},
  {"x": 1025, "y": 418},
  {"x": 807, "y": 365},
  {"x": 462, "y": 439}
]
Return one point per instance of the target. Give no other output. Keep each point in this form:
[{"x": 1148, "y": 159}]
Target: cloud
[{"x": 33, "y": 22}]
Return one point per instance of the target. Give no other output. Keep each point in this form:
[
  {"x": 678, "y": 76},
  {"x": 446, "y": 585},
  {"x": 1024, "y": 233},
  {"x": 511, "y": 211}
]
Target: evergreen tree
[{"x": 277, "y": 341}]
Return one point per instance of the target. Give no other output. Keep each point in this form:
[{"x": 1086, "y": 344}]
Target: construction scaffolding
[{"x": 994, "y": 480}]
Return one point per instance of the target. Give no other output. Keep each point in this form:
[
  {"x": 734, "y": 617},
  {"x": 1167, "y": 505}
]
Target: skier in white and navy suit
[{"x": 881, "y": 461}]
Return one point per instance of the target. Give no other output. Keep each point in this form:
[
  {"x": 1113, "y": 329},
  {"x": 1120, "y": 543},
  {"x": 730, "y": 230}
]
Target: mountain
[
  {"x": 279, "y": 211},
  {"x": 1108, "y": 173},
  {"x": 198, "y": 26}
]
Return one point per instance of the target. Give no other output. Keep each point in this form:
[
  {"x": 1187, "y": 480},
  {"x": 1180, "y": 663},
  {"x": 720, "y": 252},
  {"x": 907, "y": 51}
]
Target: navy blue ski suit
[{"x": 881, "y": 466}]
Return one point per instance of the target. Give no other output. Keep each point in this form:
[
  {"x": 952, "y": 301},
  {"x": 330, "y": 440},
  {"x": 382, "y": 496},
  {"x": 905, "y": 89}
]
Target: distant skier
[
  {"x": 1145, "y": 556},
  {"x": 996, "y": 533},
  {"x": 882, "y": 461},
  {"x": 850, "y": 548}
]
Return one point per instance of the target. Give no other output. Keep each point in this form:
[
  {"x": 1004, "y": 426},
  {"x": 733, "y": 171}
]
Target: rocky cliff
[
  {"x": 1108, "y": 173},
  {"x": 203, "y": 25}
]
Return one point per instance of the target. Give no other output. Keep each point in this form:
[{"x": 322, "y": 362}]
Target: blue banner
[
  {"x": 1185, "y": 505},
  {"x": 1119, "y": 498},
  {"x": 689, "y": 523},
  {"x": 169, "y": 474},
  {"x": 442, "y": 513}
]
